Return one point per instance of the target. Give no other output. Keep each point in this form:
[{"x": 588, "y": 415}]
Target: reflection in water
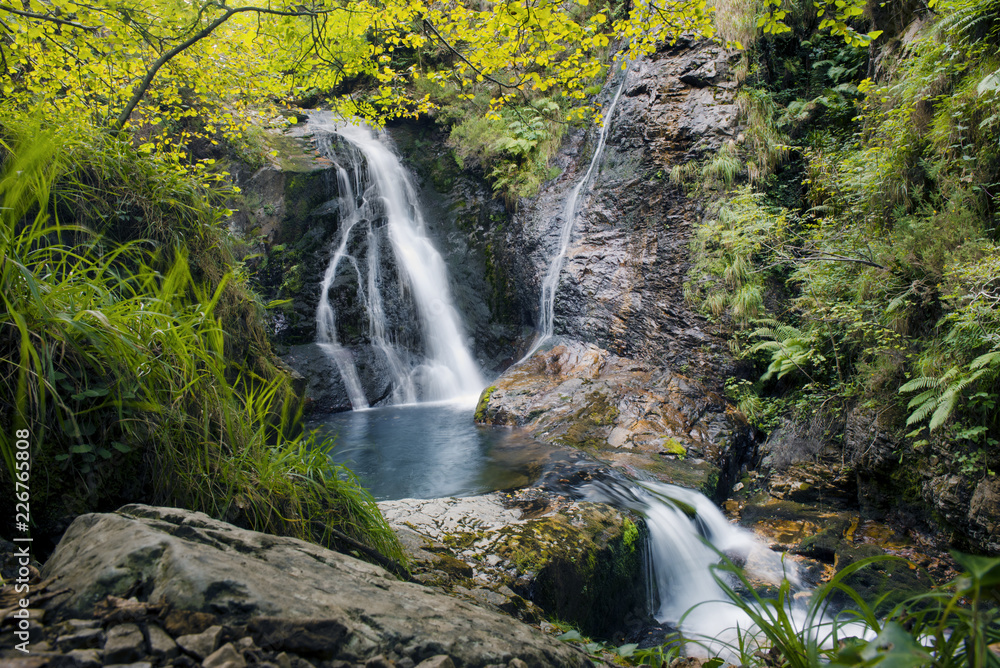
[{"x": 427, "y": 451}]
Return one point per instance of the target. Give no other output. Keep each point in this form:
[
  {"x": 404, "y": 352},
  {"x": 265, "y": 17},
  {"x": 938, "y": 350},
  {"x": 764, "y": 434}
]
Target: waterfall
[
  {"x": 378, "y": 208},
  {"x": 550, "y": 283},
  {"x": 681, "y": 522}
]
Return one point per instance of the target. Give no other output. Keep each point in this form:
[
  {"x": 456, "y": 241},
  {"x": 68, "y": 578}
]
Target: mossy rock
[
  {"x": 484, "y": 400},
  {"x": 583, "y": 566},
  {"x": 452, "y": 566}
]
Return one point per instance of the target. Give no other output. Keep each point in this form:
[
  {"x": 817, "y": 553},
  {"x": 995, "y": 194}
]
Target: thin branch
[
  {"x": 833, "y": 257},
  {"x": 465, "y": 60},
  {"x": 143, "y": 85},
  {"x": 49, "y": 17}
]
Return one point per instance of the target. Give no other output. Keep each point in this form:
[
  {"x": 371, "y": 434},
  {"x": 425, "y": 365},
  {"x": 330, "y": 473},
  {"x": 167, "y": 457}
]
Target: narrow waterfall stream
[
  {"x": 378, "y": 208},
  {"x": 550, "y": 282}
]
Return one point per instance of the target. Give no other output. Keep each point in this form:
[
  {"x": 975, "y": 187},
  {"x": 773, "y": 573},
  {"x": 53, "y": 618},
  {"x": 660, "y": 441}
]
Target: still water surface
[{"x": 428, "y": 451}]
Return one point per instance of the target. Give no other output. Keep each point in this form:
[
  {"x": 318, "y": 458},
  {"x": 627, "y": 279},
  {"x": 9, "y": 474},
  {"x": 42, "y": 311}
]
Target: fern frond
[
  {"x": 921, "y": 413},
  {"x": 923, "y": 397},
  {"x": 946, "y": 406},
  {"x": 765, "y": 345},
  {"x": 921, "y": 383},
  {"x": 989, "y": 359}
]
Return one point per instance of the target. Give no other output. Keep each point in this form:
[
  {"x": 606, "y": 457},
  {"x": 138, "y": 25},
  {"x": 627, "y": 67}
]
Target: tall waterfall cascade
[
  {"x": 380, "y": 215},
  {"x": 550, "y": 282}
]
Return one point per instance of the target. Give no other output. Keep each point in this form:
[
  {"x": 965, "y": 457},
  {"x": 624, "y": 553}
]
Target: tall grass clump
[
  {"x": 954, "y": 625},
  {"x": 114, "y": 356}
]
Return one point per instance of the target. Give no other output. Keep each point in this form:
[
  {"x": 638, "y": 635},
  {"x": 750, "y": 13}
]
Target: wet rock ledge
[{"x": 152, "y": 586}]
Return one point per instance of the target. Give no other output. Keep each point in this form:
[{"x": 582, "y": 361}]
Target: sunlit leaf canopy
[{"x": 176, "y": 71}]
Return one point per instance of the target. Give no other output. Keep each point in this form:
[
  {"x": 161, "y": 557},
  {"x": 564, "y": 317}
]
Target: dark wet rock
[
  {"x": 635, "y": 415},
  {"x": 984, "y": 514},
  {"x": 578, "y": 561},
  {"x": 324, "y": 387},
  {"x": 802, "y": 463},
  {"x": 280, "y": 196},
  {"x": 81, "y": 639},
  {"x": 622, "y": 283},
  {"x": 309, "y": 637},
  {"x": 331, "y": 605},
  {"x": 922, "y": 489}
]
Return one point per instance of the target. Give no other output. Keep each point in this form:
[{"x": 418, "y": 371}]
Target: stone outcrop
[
  {"x": 637, "y": 376},
  {"x": 632, "y": 414},
  {"x": 283, "y": 593},
  {"x": 623, "y": 279},
  {"x": 529, "y": 552}
]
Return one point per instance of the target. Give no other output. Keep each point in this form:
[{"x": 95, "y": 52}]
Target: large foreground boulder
[
  {"x": 579, "y": 562},
  {"x": 186, "y": 560}
]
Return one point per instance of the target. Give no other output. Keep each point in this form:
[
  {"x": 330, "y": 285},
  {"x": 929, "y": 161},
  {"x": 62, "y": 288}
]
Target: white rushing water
[
  {"x": 684, "y": 527},
  {"x": 381, "y": 202},
  {"x": 550, "y": 283}
]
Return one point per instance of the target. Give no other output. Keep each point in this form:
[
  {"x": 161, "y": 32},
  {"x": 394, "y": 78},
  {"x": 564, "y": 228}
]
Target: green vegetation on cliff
[
  {"x": 857, "y": 260},
  {"x": 135, "y": 354}
]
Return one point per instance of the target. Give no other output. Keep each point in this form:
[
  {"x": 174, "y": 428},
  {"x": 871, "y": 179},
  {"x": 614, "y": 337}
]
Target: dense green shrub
[
  {"x": 141, "y": 369},
  {"x": 876, "y": 280}
]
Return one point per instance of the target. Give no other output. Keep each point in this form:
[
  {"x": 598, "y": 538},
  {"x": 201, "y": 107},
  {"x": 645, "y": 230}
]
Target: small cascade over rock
[
  {"x": 384, "y": 296},
  {"x": 686, "y": 533}
]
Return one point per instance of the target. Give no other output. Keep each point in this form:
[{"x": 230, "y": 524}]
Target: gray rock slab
[
  {"x": 225, "y": 657},
  {"x": 161, "y": 645},
  {"x": 125, "y": 644},
  {"x": 81, "y": 639},
  {"x": 201, "y": 644},
  {"x": 85, "y": 658},
  {"x": 439, "y": 661},
  {"x": 192, "y": 562}
]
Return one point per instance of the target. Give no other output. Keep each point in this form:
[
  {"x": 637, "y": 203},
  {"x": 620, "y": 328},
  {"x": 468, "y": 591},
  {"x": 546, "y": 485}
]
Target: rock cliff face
[
  {"x": 622, "y": 283},
  {"x": 637, "y": 375},
  {"x": 332, "y": 607}
]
